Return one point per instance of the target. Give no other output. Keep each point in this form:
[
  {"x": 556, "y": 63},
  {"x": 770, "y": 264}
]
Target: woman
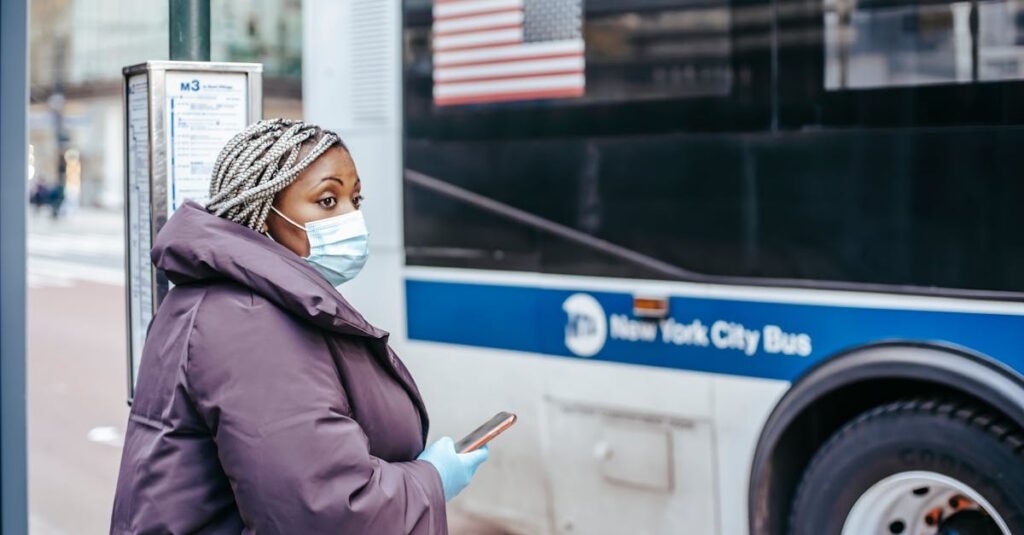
[{"x": 265, "y": 403}]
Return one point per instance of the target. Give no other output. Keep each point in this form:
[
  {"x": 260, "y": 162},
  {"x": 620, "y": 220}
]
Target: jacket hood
[{"x": 196, "y": 246}]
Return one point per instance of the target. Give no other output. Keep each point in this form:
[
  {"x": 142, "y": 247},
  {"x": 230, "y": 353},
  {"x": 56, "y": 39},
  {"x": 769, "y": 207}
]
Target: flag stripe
[
  {"x": 479, "y": 13},
  {"x": 473, "y": 40},
  {"x": 463, "y": 7},
  {"x": 513, "y": 95},
  {"x": 511, "y": 60},
  {"x": 518, "y": 68},
  {"x": 503, "y": 18},
  {"x": 510, "y": 77},
  {"x": 524, "y": 50},
  {"x": 478, "y": 30},
  {"x": 489, "y": 45},
  {"x": 536, "y": 83}
]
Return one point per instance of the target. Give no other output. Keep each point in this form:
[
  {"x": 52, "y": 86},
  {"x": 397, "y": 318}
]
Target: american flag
[{"x": 502, "y": 50}]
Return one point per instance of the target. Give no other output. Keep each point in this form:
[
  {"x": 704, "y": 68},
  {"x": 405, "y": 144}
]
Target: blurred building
[{"x": 78, "y": 48}]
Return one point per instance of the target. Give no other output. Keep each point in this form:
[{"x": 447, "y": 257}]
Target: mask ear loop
[{"x": 288, "y": 219}]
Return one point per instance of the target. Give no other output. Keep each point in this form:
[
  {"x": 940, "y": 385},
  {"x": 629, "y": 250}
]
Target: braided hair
[{"x": 260, "y": 161}]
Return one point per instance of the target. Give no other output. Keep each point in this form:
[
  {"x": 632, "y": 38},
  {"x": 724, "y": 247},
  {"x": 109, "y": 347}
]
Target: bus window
[
  {"x": 656, "y": 65},
  {"x": 879, "y": 43},
  {"x": 733, "y": 154},
  {"x": 659, "y": 53},
  {"x": 1001, "y": 41}
]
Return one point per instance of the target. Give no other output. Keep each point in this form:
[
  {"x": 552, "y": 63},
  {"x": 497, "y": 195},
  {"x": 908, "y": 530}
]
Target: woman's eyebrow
[{"x": 325, "y": 179}]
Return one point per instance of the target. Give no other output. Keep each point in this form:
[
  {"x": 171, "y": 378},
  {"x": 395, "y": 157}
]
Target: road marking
[
  {"x": 58, "y": 259},
  {"x": 106, "y": 435},
  {"x": 48, "y": 272},
  {"x": 86, "y": 244}
]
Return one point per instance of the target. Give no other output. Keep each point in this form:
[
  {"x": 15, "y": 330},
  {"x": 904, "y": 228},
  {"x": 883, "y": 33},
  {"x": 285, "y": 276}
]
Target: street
[{"x": 77, "y": 373}]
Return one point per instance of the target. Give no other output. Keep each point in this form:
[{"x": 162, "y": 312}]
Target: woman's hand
[{"x": 456, "y": 469}]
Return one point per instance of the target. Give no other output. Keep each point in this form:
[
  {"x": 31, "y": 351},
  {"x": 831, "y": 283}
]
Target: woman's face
[{"x": 328, "y": 187}]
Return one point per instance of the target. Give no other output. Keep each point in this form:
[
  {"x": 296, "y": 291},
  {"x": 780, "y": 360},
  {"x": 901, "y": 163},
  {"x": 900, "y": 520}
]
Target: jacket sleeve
[{"x": 297, "y": 462}]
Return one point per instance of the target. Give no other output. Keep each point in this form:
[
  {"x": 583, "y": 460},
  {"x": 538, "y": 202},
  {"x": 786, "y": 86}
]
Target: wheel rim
[{"x": 916, "y": 503}]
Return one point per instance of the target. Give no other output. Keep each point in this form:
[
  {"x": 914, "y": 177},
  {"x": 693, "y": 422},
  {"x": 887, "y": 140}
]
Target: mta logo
[{"x": 586, "y": 327}]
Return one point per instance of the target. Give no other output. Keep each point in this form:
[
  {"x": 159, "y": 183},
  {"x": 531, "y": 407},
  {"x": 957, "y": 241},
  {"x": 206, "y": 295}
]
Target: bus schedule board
[{"x": 177, "y": 116}]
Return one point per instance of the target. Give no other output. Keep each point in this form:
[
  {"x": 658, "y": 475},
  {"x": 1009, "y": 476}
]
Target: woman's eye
[
  {"x": 357, "y": 200},
  {"x": 328, "y": 202}
]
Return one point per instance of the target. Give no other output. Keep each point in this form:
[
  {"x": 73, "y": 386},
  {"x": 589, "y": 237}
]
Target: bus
[{"x": 739, "y": 266}]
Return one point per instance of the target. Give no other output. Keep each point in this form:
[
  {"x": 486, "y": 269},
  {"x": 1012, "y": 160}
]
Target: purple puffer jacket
[{"x": 266, "y": 404}]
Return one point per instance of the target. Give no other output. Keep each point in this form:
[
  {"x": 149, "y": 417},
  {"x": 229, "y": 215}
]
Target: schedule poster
[
  {"x": 203, "y": 111},
  {"x": 139, "y": 231}
]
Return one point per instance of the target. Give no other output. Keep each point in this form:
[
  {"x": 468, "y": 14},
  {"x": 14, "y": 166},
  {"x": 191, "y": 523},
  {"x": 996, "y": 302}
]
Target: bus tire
[{"x": 882, "y": 471}]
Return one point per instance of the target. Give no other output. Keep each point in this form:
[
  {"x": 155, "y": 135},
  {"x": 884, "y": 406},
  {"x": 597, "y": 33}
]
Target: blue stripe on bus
[{"x": 533, "y": 320}]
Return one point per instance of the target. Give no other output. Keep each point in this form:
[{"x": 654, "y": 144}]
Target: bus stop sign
[{"x": 178, "y": 115}]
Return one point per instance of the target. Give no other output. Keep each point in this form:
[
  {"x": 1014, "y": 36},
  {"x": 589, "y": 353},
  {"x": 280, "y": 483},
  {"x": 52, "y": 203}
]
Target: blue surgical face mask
[{"x": 338, "y": 246}]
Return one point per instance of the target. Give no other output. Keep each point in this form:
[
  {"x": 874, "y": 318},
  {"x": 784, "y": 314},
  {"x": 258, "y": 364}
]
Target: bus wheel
[{"x": 929, "y": 467}]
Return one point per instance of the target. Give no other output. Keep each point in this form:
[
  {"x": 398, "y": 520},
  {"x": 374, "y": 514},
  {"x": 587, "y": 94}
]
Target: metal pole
[
  {"x": 56, "y": 102},
  {"x": 190, "y": 30},
  {"x": 13, "y": 182}
]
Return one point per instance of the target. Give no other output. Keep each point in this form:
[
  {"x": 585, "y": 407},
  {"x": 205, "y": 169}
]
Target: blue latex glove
[{"x": 456, "y": 469}]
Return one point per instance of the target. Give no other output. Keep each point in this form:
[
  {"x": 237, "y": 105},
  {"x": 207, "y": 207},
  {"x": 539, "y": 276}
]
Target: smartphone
[{"x": 483, "y": 434}]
